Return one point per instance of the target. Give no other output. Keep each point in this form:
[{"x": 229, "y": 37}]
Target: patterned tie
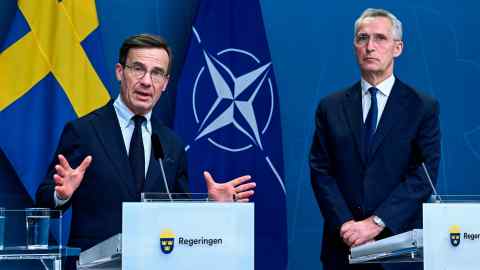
[
  {"x": 137, "y": 154},
  {"x": 371, "y": 121}
]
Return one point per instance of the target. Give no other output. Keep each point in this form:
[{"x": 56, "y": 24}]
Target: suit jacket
[
  {"x": 97, "y": 203},
  {"x": 390, "y": 183}
]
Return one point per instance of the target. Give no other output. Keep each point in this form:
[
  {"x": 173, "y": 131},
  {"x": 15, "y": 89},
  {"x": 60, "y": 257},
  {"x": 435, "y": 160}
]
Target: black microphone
[
  {"x": 157, "y": 147},
  {"x": 160, "y": 155}
]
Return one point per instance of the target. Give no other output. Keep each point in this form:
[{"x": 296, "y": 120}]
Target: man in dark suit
[
  {"x": 369, "y": 143},
  {"x": 108, "y": 156}
]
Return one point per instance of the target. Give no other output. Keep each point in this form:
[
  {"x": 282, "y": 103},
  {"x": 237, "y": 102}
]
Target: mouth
[
  {"x": 370, "y": 59},
  {"x": 142, "y": 95}
]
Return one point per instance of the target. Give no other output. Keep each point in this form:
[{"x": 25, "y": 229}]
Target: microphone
[
  {"x": 160, "y": 155},
  {"x": 437, "y": 197},
  {"x": 420, "y": 159}
]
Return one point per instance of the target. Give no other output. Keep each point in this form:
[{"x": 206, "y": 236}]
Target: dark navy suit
[
  {"x": 390, "y": 182},
  {"x": 97, "y": 203}
]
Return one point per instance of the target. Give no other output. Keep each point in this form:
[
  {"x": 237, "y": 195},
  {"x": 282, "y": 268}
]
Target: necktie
[
  {"x": 136, "y": 154},
  {"x": 371, "y": 121}
]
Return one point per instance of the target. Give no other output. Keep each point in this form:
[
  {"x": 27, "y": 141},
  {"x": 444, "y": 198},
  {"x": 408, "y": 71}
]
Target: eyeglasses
[
  {"x": 377, "y": 39},
  {"x": 138, "y": 71}
]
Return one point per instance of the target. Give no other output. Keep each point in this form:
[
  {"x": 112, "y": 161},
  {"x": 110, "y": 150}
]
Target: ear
[
  {"x": 118, "y": 72},
  {"x": 164, "y": 87},
  {"x": 398, "y": 49}
]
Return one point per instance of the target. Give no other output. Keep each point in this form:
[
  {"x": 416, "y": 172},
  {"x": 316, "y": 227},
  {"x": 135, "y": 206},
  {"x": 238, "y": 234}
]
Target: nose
[
  {"x": 146, "y": 80},
  {"x": 370, "y": 46}
]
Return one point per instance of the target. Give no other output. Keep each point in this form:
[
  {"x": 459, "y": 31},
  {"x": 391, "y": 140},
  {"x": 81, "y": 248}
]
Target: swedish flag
[{"x": 51, "y": 72}]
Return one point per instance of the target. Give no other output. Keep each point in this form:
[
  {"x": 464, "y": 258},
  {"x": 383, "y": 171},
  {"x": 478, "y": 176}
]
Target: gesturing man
[{"x": 107, "y": 157}]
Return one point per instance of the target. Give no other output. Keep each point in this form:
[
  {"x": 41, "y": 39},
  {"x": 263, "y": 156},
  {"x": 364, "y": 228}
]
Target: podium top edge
[
  {"x": 455, "y": 199},
  {"x": 174, "y": 197}
]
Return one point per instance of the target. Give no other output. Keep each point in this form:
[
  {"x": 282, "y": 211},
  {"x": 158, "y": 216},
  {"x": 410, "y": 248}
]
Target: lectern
[
  {"x": 450, "y": 239},
  {"x": 452, "y": 233},
  {"x": 178, "y": 232},
  {"x": 15, "y": 247}
]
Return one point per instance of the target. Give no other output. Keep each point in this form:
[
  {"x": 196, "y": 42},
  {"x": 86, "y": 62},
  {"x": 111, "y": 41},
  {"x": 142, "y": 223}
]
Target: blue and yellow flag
[
  {"x": 51, "y": 70},
  {"x": 228, "y": 114}
]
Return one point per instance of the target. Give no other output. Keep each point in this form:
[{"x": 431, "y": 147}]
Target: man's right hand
[
  {"x": 345, "y": 229},
  {"x": 360, "y": 232},
  {"x": 67, "y": 179}
]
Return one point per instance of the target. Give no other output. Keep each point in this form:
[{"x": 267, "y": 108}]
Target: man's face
[
  {"x": 141, "y": 92},
  {"x": 376, "y": 47}
]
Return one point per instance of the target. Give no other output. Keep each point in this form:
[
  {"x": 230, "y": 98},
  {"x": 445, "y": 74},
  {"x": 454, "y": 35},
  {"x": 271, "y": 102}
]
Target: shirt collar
[
  {"x": 125, "y": 115},
  {"x": 384, "y": 87}
]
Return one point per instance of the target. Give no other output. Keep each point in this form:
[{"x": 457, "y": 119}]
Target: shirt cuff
[{"x": 58, "y": 201}]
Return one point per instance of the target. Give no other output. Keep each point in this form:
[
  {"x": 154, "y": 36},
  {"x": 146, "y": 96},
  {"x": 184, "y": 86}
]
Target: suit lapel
[
  {"x": 110, "y": 136},
  {"x": 353, "y": 110},
  {"x": 391, "y": 114}
]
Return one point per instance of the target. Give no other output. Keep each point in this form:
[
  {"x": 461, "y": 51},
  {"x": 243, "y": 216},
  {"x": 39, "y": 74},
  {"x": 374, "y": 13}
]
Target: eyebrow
[
  {"x": 137, "y": 63},
  {"x": 143, "y": 65},
  {"x": 369, "y": 34}
]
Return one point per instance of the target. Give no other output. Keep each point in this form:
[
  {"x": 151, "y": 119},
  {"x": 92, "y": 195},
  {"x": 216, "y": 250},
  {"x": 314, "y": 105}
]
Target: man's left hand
[
  {"x": 362, "y": 232},
  {"x": 233, "y": 190}
]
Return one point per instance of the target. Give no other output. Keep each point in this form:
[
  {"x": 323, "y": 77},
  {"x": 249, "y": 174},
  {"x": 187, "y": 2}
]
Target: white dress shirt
[
  {"x": 385, "y": 88},
  {"x": 127, "y": 125},
  {"x": 124, "y": 116}
]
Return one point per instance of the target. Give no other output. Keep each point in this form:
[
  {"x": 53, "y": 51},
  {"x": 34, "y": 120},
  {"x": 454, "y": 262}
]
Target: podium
[
  {"x": 452, "y": 233},
  {"x": 402, "y": 248},
  {"x": 450, "y": 238},
  {"x": 179, "y": 233},
  {"x": 50, "y": 258},
  {"x": 16, "y": 244}
]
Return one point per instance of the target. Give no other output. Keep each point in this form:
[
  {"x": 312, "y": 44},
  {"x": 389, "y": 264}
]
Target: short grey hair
[{"x": 397, "y": 30}]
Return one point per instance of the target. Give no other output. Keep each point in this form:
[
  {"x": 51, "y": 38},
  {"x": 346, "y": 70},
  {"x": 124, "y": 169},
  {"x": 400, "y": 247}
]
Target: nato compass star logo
[{"x": 241, "y": 100}]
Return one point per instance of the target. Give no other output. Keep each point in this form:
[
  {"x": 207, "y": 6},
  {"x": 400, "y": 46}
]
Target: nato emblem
[
  {"x": 454, "y": 235},
  {"x": 235, "y": 108},
  {"x": 167, "y": 240}
]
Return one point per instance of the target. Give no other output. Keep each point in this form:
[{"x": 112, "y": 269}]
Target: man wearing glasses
[
  {"x": 107, "y": 157},
  {"x": 368, "y": 148}
]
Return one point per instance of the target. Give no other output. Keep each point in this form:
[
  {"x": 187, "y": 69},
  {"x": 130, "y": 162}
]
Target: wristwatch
[{"x": 378, "y": 221}]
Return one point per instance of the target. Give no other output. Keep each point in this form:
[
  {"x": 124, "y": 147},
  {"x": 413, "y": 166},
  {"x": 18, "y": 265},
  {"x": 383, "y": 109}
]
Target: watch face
[{"x": 378, "y": 221}]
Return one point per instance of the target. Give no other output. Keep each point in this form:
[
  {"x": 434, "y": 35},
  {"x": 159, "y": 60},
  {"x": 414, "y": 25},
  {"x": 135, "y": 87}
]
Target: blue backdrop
[{"x": 311, "y": 46}]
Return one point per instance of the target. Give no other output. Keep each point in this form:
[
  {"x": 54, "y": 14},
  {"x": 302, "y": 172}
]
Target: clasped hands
[
  {"x": 355, "y": 233},
  {"x": 68, "y": 179}
]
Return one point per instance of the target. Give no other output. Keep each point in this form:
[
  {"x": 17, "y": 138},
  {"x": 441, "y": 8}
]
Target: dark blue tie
[
  {"x": 137, "y": 154},
  {"x": 371, "y": 121}
]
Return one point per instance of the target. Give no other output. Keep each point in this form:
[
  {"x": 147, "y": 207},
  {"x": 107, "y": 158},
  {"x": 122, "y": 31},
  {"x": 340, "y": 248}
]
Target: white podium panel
[
  {"x": 186, "y": 235},
  {"x": 451, "y": 236}
]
